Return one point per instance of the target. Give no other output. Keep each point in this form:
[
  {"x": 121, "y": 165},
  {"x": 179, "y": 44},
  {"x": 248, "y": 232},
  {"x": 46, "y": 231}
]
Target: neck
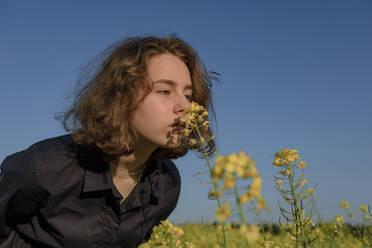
[{"x": 132, "y": 165}]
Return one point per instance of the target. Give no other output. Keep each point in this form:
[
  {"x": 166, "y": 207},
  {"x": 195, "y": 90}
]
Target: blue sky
[{"x": 294, "y": 74}]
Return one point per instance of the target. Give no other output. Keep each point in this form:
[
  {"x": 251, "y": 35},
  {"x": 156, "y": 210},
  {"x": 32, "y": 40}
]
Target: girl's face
[{"x": 156, "y": 115}]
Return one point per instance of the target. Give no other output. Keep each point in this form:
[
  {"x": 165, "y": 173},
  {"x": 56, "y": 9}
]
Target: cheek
[{"x": 150, "y": 118}]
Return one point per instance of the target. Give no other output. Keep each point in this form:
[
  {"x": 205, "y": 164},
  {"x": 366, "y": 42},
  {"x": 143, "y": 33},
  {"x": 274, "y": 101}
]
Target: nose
[{"x": 180, "y": 104}]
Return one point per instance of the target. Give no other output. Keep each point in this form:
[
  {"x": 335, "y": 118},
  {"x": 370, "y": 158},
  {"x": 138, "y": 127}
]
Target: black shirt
[{"x": 56, "y": 194}]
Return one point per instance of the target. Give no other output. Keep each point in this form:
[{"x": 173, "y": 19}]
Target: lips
[{"x": 178, "y": 126}]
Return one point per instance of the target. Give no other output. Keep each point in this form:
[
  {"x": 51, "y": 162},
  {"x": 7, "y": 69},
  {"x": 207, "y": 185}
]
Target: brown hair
[{"x": 101, "y": 115}]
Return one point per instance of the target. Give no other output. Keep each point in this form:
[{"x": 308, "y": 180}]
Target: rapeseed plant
[
  {"x": 296, "y": 194},
  {"x": 195, "y": 118},
  {"x": 363, "y": 232},
  {"x": 166, "y": 235},
  {"x": 227, "y": 169},
  {"x": 363, "y": 208}
]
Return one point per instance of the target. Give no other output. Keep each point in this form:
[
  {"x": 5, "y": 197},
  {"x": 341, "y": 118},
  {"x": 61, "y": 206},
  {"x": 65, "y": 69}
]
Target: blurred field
[{"x": 209, "y": 236}]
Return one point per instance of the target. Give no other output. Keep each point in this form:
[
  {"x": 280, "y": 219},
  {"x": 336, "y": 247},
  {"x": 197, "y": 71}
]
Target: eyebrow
[{"x": 171, "y": 83}]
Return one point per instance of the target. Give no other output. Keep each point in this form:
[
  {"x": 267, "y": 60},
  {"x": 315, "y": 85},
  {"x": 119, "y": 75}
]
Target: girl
[{"x": 110, "y": 180}]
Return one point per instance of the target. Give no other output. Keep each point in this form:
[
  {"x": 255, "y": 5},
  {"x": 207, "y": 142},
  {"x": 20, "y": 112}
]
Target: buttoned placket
[{"x": 140, "y": 197}]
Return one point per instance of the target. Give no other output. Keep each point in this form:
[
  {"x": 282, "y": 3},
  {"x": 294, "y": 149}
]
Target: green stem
[
  {"x": 298, "y": 221},
  {"x": 242, "y": 219},
  {"x": 260, "y": 223},
  {"x": 214, "y": 183}
]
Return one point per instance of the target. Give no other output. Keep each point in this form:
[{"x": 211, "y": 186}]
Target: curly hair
[{"x": 101, "y": 115}]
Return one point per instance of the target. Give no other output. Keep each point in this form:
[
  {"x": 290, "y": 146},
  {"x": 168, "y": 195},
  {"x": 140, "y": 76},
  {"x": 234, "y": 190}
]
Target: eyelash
[
  {"x": 167, "y": 92},
  {"x": 164, "y": 91}
]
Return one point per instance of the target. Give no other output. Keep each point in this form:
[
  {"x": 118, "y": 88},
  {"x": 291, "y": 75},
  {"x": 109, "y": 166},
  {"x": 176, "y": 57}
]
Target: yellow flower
[
  {"x": 189, "y": 245},
  {"x": 217, "y": 171},
  {"x": 256, "y": 184},
  {"x": 301, "y": 164},
  {"x": 251, "y": 233},
  {"x": 193, "y": 107},
  {"x": 344, "y": 204},
  {"x": 338, "y": 220},
  {"x": 222, "y": 213},
  {"x": 303, "y": 182},
  {"x": 205, "y": 113},
  {"x": 363, "y": 208},
  {"x": 367, "y": 217},
  {"x": 285, "y": 157},
  {"x": 244, "y": 198},
  {"x": 205, "y": 124},
  {"x": 240, "y": 163},
  {"x": 186, "y": 132},
  {"x": 214, "y": 194},
  {"x": 249, "y": 172},
  {"x": 229, "y": 182},
  {"x": 255, "y": 187},
  {"x": 282, "y": 172},
  {"x": 230, "y": 167},
  {"x": 166, "y": 229},
  {"x": 279, "y": 181},
  {"x": 309, "y": 192},
  {"x": 192, "y": 116},
  {"x": 192, "y": 142},
  {"x": 261, "y": 203},
  {"x": 277, "y": 162},
  {"x": 268, "y": 244},
  {"x": 219, "y": 168},
  {"x": 221, "y": 160},
  {"x": 244, "y": 160}
]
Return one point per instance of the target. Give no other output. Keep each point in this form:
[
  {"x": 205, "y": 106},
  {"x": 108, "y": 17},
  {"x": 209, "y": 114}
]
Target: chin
[{"x": 172, "y": 143}]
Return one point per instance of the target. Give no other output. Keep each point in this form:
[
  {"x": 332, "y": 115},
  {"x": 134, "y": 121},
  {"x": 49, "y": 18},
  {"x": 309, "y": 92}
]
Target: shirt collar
[{"x": 98, "y": 177}]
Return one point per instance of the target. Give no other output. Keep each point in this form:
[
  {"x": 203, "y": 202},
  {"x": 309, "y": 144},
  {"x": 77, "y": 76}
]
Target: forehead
[{"x": 168, "y": 67}]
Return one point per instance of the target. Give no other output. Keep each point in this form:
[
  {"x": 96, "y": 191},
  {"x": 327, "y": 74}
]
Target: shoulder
[
  {"x": 48, "y": 148},
  {"x": 19, "y": 171},
  {"x": 45, "y": 161},
  {"x": 27, "y": 159},
  {"x": 42, "y": 149},
  {"x": 52, "y": 153}
]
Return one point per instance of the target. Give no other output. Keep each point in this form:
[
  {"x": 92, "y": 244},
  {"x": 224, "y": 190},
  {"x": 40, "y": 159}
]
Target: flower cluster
[
  {"x": 223, "y": 212},
  {"x": 167, "y": 235},
  {"x": 367, "y": 213},
  {"x": 338, "y": 220},
  {"x": 225, "y": 173},
  {"x": 287, "y": 159},
  {"x": 363, "y": 208},
  {"x": 250, "y": 232},
  {"x": 194, "y": 116},
  {"x": 243, "y": 165},
  {"x": 228, "y": 168},
  {"x": 344, "y": 204}
]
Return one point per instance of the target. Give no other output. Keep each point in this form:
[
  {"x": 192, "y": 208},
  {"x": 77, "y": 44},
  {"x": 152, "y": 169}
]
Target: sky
[{"x": 294, "y": 74}]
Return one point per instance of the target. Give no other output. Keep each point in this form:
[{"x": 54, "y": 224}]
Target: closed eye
[{"x": 164, "y": 92}]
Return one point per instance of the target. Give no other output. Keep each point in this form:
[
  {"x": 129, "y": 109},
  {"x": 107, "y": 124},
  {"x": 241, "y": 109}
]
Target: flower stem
[
  {"x": 297, "y": 212},
  {"x": 214, "y": 183},
  {"x": 241, "y": 214}
]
